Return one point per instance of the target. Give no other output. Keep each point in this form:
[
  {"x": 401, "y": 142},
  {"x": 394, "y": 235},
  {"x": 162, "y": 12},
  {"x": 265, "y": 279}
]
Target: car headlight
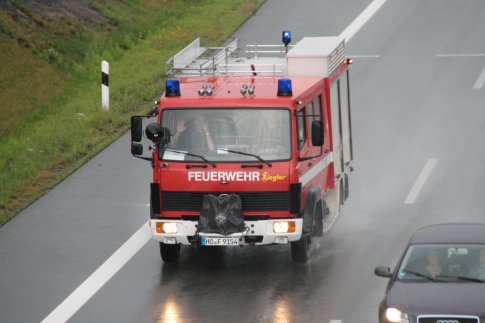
[
  {"x": 284, "y": 227},
  {"x": 395, "y": 315},
  {"x": 166, "y": 227}
]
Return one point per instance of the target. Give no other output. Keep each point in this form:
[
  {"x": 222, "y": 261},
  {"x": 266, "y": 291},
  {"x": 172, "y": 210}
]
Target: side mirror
[
  {"x": 382, "y": 271},
  {"x": 317, "y": 133},
  {"x": 156, "y": 133},
  {"x": 136, "y": 149},
  {"x": 140, "y": 145},
  {"x": 136, "y": 129}
]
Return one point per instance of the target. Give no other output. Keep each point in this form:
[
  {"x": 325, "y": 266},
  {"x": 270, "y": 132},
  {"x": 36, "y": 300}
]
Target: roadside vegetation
[{"x": 51, "y": 121}]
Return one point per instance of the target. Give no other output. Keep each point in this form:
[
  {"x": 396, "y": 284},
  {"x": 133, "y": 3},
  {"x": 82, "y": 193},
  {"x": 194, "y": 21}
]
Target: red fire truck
[{"x": 249, "y": 149}]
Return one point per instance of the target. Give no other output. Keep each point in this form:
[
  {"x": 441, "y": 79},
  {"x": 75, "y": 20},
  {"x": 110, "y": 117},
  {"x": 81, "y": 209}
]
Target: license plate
[{"x": 213, "y": 241}]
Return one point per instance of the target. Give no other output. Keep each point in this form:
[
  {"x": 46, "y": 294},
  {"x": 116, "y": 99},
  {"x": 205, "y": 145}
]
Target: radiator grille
[{"x": 251, "y": 201}]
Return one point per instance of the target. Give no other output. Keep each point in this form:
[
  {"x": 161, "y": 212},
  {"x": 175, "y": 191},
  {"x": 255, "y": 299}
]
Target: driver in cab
[{"x": 194, "y": 136}]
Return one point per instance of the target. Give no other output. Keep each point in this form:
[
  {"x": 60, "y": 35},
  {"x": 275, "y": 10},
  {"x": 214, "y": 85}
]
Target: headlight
[
  {"x": 395, "y": 315},
  {"x": 166, "y": 227},
  {"x": 284, "y": 227}
]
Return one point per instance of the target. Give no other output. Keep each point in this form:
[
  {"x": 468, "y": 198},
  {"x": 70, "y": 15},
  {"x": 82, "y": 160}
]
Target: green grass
[{"x": 50, "y": 93}]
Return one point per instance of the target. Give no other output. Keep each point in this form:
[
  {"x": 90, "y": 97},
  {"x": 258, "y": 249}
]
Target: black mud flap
[{"x": 221, "y": 214}]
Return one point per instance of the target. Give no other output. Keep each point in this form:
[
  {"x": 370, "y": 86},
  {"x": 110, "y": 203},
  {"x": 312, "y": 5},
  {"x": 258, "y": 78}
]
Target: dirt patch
[{"x": 56, "y": 9}]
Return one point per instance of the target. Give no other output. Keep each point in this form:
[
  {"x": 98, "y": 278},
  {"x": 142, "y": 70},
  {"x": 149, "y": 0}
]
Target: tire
[
  {"x": 318, "y": 218},
  {"x": 300, "y": 250},
  {"x": 170, "y": 253}
]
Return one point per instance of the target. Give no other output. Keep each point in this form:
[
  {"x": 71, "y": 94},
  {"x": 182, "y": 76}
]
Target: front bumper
[{"x": 257, "y": 232}]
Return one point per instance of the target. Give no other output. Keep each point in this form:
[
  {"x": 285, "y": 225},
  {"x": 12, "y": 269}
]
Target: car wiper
[
  {"x": 193, "y": 155},
  {"x": 421, "y": 275},
  {"x": 463, "y": 278},
  {"x": 246, "y": 154},
  {"x": 470, "y": 279}
]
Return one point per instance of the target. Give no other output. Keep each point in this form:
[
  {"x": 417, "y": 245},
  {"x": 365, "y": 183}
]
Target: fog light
[
  {"x": 166, "y": 227},
  {"x": 281, "y": 240},
  {"x": 284, "y": 227},
  {"x": 169, "y": 240},
  {"x": 395, "y": 315}
]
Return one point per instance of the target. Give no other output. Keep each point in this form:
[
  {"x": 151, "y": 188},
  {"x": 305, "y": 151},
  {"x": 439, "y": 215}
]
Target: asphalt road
[{"x": 417, "y": 100}]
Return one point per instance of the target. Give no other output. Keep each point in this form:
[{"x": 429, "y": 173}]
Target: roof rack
[
  {"x": 195, "y": 60},
  {"x": 311, "y": 56}
]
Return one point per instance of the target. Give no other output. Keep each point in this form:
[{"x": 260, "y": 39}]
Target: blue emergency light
[
  {"x": 172, "y": 88},
  {"x": 286, "y": 37},
  {"x": 284, "y": 87}
]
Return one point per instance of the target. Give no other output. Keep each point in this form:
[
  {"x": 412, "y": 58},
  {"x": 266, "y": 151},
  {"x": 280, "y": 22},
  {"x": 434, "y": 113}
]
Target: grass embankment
[{"x": 51, "y": 121}]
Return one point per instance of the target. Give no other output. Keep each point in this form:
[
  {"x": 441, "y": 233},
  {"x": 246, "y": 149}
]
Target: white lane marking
[
  {"x": 93, "y": 283},
  {"x": 418, "y": 185},
  {"x": 461, "y": 55},
  {"x": 480, "y": 81},
  {"x": 360, "y": 21},
  {"x": 363, "y": 56},
  {"x": 114, "y": 263},
  {"x": 336, "y": 321}
]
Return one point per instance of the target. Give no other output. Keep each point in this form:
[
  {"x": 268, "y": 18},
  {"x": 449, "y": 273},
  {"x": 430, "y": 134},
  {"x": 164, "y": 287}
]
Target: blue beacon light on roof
[
  {"x": 286, "y": 37},
  {"x": 284, "y": 87},
  {"x": 172, "y": 88}
]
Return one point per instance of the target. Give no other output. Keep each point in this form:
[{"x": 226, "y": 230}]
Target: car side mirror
[
  {"x": 136, "y": 129},
  {"x": 136, "y": 149},
  {"x": 317, "y": 133},
  {"x": 156, "y": 133},
  {"x": 382, "y": 271}
]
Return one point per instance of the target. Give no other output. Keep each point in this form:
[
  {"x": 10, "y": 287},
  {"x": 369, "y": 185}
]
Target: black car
[{"x": 440, "y": 278}]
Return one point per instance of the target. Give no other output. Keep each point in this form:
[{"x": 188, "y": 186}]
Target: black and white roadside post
[{"x": 105, "y": 85}]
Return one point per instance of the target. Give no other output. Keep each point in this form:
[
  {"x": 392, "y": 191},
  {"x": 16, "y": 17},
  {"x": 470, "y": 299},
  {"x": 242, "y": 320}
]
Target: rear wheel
[
  {"x": 300, "y": 250},
  {"x": 318, "y": 218},
  {"x": 170, "y": 252}
]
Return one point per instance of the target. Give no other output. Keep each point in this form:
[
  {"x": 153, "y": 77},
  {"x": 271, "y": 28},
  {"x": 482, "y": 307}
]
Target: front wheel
[
  {"x": 300, "y": 250},
  {"x": 170, "y": 252}
]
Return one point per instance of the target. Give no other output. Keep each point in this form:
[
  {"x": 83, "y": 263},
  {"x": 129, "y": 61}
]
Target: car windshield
[
  {"x": 228, "y": 134},
  {"x": 443, "y": 263}
]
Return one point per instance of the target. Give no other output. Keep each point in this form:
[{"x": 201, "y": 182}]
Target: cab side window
[
  {"x": 301, "y": 128},
  {"x": 318, "y": 108},
  {"x": 309, "y": 113}
]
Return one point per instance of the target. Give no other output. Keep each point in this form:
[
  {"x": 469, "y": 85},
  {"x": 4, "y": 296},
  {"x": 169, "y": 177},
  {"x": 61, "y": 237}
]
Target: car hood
[{"x": 438, "y": 298}]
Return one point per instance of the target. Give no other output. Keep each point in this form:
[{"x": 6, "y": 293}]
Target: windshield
[
  {"x": 443, "y": 263},
  {"x": 233, "y": 135}
]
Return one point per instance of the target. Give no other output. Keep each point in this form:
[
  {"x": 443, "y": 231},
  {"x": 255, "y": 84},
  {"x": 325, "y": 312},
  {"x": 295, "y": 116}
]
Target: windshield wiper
[
  {"x": 463, "y": 278},
  {"x": 193, "y": 155},
  {"x": 470, "y": 279},
  {"x": 246, "y": 154},
  {"x": 421, "y": 275}
]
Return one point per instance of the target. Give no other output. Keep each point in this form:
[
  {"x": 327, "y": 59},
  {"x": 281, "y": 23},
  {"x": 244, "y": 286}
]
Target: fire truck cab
[{"x": 249, "y": 149}]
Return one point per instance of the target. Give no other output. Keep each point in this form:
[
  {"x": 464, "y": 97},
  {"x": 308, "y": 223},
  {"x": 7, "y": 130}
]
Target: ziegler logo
[
  {"x": 266, "y": 177},
  {"x": 447, "y": 321}
]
